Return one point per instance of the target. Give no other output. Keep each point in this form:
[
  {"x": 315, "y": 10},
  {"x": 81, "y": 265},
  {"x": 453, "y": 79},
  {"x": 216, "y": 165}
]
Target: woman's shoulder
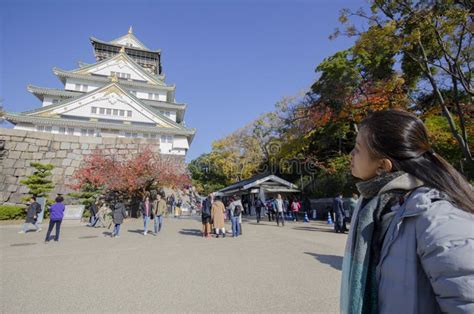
[{"x": 434, "y": 211}]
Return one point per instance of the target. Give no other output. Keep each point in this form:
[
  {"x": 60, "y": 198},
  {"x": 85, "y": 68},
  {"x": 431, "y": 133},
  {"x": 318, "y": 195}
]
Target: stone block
[
  {"x": 56, "y": 162},
  {"x": 50, "y": 155},
  {"x": 55, "y": 146},
  {"x": 14, "y": 154},
  {"x": 38, "y": 155},
  {"x": 46, "y": 161},
  {"x": 12, "y": 188},
  {"x": 86, "y": 152},
  {"x": 14, "y": 132},
  {"x": 65, "y": 145},
  {"x": 20, "y": 163},
  {"x": 66, "y": 162},
  {"x": 57, "y": 171},
  {"x": 43, "y": 149},
  {"x": 65, "y": 138},
  {"x": 23, "y": 189},
  {"x": 40, "y": 135},
  {"x": 4, "y": 196},
  {"x": 69, "y": 171},
  {"x": 11, "y": 180},
  {"x": 75, "y": 163},
  {"x": 75, "y": 146},
  {"x": 77, "y": 151},
  {"x": 90, "y": 139},
  {"x": 73, "y": 156},
  {"x": 61, "y": 154},
  {"x": 26, "y": 155},
  {"x": 8, "y": 171},
  {"x": 108, "y": 140},
  {"x": 21, "y": 146},
  {"x": 10, "y": 145},
  {"x": 32, "y": 148},
  {"x": 5, "y": 138},
  {"x": 84, "y": 146},
  {"x": 42, "y": 143},
  {"x": 29, "y": 171},
  {"x": 30, "y": 140}
]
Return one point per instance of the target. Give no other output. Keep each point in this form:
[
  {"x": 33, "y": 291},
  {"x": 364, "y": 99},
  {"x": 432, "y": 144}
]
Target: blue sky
[{"x": 230, "y": 60}]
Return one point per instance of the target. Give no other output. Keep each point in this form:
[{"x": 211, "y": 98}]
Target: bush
[{"x": 8, "y": 212}]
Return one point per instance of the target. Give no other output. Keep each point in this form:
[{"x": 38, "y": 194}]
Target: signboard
[{"x": 73, "y": 212}]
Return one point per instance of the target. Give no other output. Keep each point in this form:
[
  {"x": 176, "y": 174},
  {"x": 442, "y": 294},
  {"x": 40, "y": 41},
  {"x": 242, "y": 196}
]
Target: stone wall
[{"x": 65, "y": 152}]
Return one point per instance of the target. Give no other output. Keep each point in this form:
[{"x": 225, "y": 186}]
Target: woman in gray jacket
[{"x": 411, "y": 243}]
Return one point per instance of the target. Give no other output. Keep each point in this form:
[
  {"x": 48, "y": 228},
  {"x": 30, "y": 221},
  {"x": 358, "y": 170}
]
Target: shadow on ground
[
  {"x": 314, "y": 229},
  {"x": 191, "y": 232},
  {"x": 332, "y": 260},
  {"x": 139, "y": 231}
]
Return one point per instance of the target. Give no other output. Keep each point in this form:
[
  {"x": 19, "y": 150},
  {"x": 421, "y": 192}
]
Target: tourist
[
  {"x": 295, "y": 208},
  {"x": 32, "y": 211},
  {"x": 146, "y": 210},
  {"x": 218, "y": 216},
  {"x": 410, "y": 247},
  {"x": 93, "y": 213},
  {"x": 352, "y": 204},
  {"x": 171, "y": 204},
  {"x": 258, "y": 209},
  {"x": 56, "y": 214},
  {"x": 236, "y": 225},
  {"x": 236, "y": 218},
  {"x": 271, "y": 209},
  {"x": 177, "y": 208},
  {"x": 118, "y": 215},
  {"x": 206, "y": 216},
  {"x": 279, "y": 211},
  {"x": 160, "y": 210},
  {"x": 338, "y": 205},
  {"x": 103, "y": 216}
]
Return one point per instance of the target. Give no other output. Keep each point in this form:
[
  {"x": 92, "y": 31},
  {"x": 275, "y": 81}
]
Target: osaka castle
[{"x": 123, "y": 94}]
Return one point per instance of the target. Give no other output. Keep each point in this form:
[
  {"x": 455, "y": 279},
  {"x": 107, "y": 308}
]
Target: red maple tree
[{"x": 130, "y": 176}]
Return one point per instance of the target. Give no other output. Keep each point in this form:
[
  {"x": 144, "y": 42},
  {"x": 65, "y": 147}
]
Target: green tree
[{"x": 39, "y": 183}]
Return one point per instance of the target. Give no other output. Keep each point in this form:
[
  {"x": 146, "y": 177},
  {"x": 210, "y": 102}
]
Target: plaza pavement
[{"x": 295, "y": 268}]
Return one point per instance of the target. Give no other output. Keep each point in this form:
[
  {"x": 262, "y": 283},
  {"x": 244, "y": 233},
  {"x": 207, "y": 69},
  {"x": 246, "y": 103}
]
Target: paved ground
[{"x": 269, "y": 269}]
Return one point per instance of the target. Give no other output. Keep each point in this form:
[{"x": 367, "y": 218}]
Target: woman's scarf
[{"x": 378, "y": 195}]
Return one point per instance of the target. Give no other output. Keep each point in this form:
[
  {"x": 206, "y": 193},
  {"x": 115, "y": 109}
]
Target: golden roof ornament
[
  {"x": 130, "y": 30},
  {"x": 114, "y": 78},
  {"x": 122, "y": 50}
]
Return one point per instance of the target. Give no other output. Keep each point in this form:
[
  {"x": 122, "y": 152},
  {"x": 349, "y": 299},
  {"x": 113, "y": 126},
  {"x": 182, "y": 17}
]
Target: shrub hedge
[{"x": 10, "y": 212}]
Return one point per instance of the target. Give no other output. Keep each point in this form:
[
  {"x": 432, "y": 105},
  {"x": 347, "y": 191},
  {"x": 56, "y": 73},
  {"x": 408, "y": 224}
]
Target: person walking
[
  {"x": 146, "y": 208},
  {"x": 56, "y": 214},
  {"x": 258, "y": 209},
  {"x": 279, "y": 211},
  {"x": 295, "y": 208},
  {"x": 218, "y": 216},
  {"x": 206, "y": 216},
  {"x": 338, "y": 205},
  {"x": 93, "y": 209},
  {"x": 160, "y": 211},
  {"x": 236, "y": 202},
  {"x": 32, "y": 211},
  {"x": 410, "y": 247},
  {"x": 118, "y": 215}
]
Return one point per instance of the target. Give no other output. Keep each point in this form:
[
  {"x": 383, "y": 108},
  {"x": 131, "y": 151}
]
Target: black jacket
[{"x": 33, "y": 210}]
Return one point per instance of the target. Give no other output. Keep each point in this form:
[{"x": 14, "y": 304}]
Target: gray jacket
[
  {"x": 119, "y": 213},
  {"x": 427, "y": 257}
]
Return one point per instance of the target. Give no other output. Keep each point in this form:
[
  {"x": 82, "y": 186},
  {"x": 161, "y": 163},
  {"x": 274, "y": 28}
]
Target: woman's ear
[{"x": 386, "y": 165}]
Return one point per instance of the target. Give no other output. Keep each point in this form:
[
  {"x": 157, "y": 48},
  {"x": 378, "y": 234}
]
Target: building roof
[
  {"x": 20, "y": 118},
  {"x": 50, "y": 108},
  {"x": 40, "y": 92},
  {"x": 62, "y": 74},
  {"x": 122, "y": 56},
  {"x": 270, "y": 183},
  {"x": 128, "y": 37}
]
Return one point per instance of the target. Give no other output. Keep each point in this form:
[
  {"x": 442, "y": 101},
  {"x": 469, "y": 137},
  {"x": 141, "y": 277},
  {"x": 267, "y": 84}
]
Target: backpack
[{"x": 237, "y": 210}]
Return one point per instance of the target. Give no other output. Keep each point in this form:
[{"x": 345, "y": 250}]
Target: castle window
[
  {"x": 115, "y": 112},
  {"x": 62, "y": 130},
  {"x": 122, "y": 113},
  {"x": 102, "y": 110},
  {"x": 109, "y": 112},
  {"x": 40, "y": 128},
  {"x": 129, "y": 113},
  {"x": 70, "y": 131},
  {"x": 94, "y": 110}
]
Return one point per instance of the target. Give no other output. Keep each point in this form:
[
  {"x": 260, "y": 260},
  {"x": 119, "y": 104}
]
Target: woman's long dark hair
[{"x": 402, "y": 137}]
